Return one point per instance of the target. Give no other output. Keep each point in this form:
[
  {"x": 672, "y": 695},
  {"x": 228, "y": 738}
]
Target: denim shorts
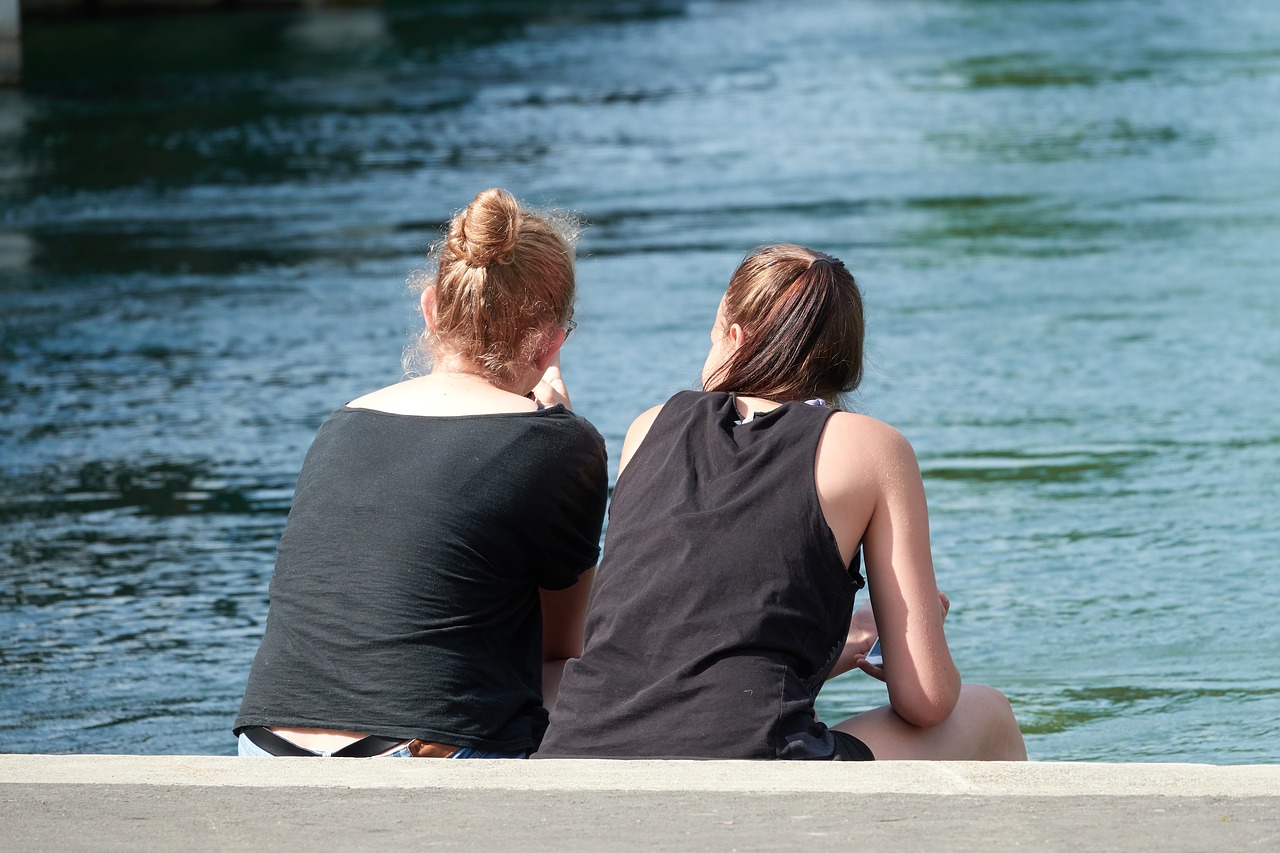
[{"x": 249, "y": 749}]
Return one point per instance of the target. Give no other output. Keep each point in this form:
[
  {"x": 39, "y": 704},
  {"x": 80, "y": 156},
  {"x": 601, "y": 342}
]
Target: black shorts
[{"x": 849, "y": 748}]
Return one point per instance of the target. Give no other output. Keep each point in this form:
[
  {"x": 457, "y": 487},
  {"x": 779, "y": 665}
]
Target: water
[{"x": 1064, "y": 216}]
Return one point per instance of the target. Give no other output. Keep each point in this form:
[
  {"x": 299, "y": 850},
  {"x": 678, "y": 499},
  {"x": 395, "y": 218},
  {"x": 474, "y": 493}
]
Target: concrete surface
[{"x": 145, "y": 803}]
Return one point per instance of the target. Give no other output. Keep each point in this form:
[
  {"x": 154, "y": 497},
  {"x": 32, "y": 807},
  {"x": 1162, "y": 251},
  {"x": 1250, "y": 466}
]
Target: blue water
[{"x": 1065, "y": 217}]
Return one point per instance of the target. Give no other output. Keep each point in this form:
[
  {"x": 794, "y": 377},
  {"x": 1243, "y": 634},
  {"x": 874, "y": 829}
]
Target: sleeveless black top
[{"x": 721, "y": 603}]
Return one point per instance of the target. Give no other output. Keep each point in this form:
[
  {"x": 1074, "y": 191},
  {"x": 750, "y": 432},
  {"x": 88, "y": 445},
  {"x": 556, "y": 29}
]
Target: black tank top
[{"x": 722, "y": 601}]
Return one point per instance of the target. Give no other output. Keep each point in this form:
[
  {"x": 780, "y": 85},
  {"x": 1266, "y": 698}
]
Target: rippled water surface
[{"x": 1065, "y": 217}]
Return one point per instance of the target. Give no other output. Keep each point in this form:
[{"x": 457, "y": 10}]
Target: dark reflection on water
[
  {"x": 199, "y": 101},
  {"x": 160, "y": 489},
  {"x": 1042, "y": 468},
  {"x": 1063, "y": 216}
]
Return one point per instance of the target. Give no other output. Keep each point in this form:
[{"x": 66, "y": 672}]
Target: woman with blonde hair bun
[{"x": 432, "y": 576}]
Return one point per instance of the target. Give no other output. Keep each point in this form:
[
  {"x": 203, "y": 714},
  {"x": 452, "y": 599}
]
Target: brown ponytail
[{"x": 802, "y": 323}]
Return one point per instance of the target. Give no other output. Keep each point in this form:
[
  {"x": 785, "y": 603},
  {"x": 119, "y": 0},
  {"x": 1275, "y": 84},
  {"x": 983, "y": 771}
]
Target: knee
[
  {"x": 989, "y": 699},
  {"x": 1004, "y": 739},
  {"x": 989, "y": 703}
]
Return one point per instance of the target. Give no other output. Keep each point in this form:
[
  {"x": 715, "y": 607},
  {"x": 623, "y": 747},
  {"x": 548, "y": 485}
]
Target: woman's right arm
[{"x": 880, "y": 487}]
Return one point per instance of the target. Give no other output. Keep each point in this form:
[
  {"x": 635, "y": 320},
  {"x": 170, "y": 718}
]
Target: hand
[
  {"x": 862, "y": 630},
  {"x": 862, "y": 633},
  {"x": 860, "y": 658},
  {"x": 872, "y": 670},
  {"x": 551, "y": 389}
]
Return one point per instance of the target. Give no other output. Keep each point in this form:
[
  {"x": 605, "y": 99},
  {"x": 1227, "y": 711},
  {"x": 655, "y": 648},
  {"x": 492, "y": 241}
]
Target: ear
[
  {"x": 553, "y": 349},
  {"x": 735, "y": 335},
  {"x": 428, "y": 303}
]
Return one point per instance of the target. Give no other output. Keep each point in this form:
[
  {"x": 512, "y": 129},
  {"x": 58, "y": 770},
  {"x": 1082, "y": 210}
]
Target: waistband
[{"x": 367, "y": 747}]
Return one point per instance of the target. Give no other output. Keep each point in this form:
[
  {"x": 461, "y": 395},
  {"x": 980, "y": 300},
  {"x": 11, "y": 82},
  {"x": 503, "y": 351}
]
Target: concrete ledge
[
  {"x": 154, "y": 803},
  {"x": 997, "y": 779}
]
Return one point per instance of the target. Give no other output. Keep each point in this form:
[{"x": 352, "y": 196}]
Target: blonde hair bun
[
  {"x": 485, "y": 234},
  {"x": 504, "y": 282}
]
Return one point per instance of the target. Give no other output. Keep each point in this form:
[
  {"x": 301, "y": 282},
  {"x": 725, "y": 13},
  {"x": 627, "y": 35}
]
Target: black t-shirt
[
  {"x": 721, "y": 603},
  {"x": 405, "y": 596}
]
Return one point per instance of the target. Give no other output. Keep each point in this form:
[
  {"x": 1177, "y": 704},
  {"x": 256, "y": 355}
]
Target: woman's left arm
[{"x": 563, "y": 614}]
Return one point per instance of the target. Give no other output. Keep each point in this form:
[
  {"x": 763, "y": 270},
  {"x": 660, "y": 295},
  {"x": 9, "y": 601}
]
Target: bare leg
[{"x": 981, "y": 728}]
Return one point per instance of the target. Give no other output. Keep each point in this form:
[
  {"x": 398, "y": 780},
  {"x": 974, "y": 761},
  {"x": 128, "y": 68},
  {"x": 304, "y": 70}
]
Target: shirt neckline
[{"x": 558, "y": 408}]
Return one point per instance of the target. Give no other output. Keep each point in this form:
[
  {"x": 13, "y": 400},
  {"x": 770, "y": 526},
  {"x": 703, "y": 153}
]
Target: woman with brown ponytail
[
  {"x": 433, "y": 574},
  {"x": 725, "y": 597}
]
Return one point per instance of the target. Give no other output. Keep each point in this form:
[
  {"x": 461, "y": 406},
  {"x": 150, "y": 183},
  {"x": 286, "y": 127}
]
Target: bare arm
[
  {"x": 871, "y": 490},
  {"x": 551, "y": 388},
  {"x": 563, "y": 614},
  {"x": 563, "y": 610},
  {"x": 635, "y": 435},
  {"x": 923, "y": 681}
]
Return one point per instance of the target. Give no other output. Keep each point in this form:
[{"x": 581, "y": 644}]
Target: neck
[
  {"x": 746, "y": 406},
  {"x": 458, "y": 367}
]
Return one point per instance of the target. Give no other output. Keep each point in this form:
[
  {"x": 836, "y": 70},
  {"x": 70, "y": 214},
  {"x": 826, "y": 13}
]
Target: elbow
[
  {"x": 926, "y": 714},
  {"x": 561, "y": 654},
  {"x": 926, "y": 708}
]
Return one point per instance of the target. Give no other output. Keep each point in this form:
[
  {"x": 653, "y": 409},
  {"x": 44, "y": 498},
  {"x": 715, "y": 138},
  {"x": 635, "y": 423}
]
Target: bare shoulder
[
  {"x": 390, "y": 398},
  {"x": 854, "y": 430},
  {"x": 636, "y": 434},
  {"x": 640, "y": 426},
  {"x": 869, "y": 446}
]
